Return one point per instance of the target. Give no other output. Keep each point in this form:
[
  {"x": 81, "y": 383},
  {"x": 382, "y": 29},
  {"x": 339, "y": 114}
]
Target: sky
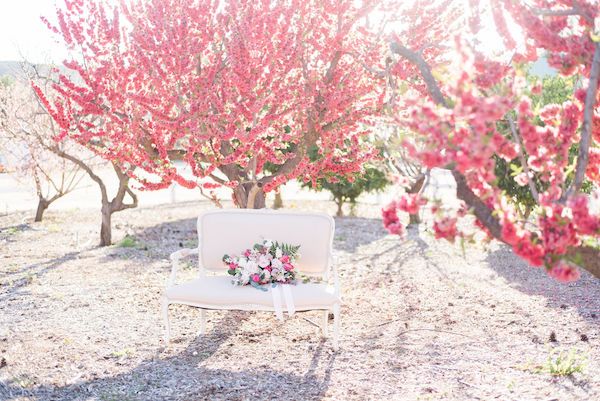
[{"x": 23, "y": 35}]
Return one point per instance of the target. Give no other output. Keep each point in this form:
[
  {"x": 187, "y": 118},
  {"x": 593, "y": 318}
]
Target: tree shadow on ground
[
  {"x": 183, "y": 377},
  {"x": 32, "y": 272},
  {"x": 582, "y": 295},
  {"x": 353, "y": 232}
]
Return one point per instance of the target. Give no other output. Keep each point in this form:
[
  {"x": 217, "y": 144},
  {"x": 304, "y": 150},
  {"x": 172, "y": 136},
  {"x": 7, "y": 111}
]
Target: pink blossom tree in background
[
  {"x": 225, "y": 87},
  {"x": 469, "y": 95},
  {"x": 242, "y": 92}
]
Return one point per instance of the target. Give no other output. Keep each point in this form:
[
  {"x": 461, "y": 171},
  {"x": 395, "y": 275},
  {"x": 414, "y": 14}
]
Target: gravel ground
[{"x": 421, "y": 320}]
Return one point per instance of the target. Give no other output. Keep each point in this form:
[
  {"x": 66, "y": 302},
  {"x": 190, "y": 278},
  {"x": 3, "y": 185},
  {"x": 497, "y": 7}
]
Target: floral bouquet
[{"x": 267, "y": 262}]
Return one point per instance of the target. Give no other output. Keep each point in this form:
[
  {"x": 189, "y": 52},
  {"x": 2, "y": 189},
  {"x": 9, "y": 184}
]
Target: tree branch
[
  {"x": 421, "y": 64},
  {"x": 517, "y": 139},
  {"x": 586, "y": 126}
]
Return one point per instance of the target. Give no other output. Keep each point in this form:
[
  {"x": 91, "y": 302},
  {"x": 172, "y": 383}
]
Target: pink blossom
[
  {"x": 564, "y": 271},
  {"x": 390, "y": 219},
  {"x": 445, "y": 228},
  {"x": 410, "y": 203}
]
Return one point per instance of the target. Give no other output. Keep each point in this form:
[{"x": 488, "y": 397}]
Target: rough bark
[
  {"x": 241, "y": 196},
  {"x": 278, "y": 202},
  {"x": 340, "y": 204},
  {"x": 415, "y": 188},
  {"x": 106, "y": 226},
  {"x": 483, "y": 213},
  {"x": 586, "y": 126},
  {"x": 41, "y": 208},
  {"x": 586, "y": 257}
]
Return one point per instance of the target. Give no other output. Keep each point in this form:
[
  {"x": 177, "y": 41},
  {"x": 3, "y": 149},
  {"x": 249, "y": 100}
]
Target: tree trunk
[
  {"x": 41, "y": 208},
  {"x": 278, "y": 203},
  {"x": 416, "y": 187},
  {"x": 340, "y": 211},
  {"x": 106, "y": 228},
  {"x": 586, "y": 257},
  {"x": 241, "y": 195}
]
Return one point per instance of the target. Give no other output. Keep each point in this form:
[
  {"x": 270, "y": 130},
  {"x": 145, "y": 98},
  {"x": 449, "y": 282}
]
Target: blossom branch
[
  {"x": 518, "y": 141},
  {"x": 586, "y": 126},
  {"x": 421, "y": 64}
]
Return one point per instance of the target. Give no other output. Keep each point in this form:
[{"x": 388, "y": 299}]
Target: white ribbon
[
  {"x": 289, "y": 300},
  {"x": 276, "y": 293}
]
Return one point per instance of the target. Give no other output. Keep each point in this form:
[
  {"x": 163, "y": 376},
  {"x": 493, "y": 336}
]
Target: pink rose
[
  {"x": 247, "y": 253},
  {"x": 232, "y": 266},
  {"x": 256, "y": 278},
  {"x": 284, "y": 259},
  {"x": 288, "y": 266}
]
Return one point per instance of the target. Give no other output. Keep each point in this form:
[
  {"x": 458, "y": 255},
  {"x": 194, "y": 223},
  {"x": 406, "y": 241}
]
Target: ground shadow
[
  {"x": 582, "y": 295},
  {"x": 32, "y": 272},
  {"x": 184, "y": 377},
  {"x": 353, "y": 232}
]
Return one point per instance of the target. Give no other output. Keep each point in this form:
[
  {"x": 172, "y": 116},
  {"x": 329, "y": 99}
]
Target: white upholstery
[
  {"x": 231, "y": 232},
  {"x": 217, "y": 292}
]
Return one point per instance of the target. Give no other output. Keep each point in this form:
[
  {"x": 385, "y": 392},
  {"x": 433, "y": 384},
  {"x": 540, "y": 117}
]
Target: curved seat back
[{"x": 231, "y": 231}]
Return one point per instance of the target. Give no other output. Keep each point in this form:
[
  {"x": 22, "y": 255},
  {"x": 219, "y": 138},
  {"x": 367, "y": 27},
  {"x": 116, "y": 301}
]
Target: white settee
[{"x": 230, "y": 232}]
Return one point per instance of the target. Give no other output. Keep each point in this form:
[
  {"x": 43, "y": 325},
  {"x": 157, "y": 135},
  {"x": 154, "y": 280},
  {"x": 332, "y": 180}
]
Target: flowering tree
[
  {"x": 55, "y": 166},
  {"x": 555, "y": 146},
  {"x": 25, "y": 132},
  {"x": 227, "y": 87}
]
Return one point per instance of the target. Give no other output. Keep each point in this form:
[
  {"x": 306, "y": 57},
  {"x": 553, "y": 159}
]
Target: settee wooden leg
[
  {"x": 324, "y": 320},
  {"x": 165, "y": 313},
  {"x": 336, "y": 326},
  {"x": 202, "y": 322}
]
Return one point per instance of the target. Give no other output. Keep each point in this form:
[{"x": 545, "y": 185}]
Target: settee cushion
[{"x": 217, "y": 292}]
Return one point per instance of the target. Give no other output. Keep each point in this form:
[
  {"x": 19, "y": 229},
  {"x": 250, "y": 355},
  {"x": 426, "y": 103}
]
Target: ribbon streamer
[
  {"x": 287, "y": 296},
  {"x": 289, "y": 299},
  {"x": 276, "y": 293}
]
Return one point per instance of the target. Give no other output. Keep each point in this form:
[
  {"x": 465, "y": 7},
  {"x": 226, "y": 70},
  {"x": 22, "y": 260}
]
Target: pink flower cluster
[
  {"x": 391, "y": 222},
  {"x": 267, "y": 262},
  {"x": 564, "y": 271}
]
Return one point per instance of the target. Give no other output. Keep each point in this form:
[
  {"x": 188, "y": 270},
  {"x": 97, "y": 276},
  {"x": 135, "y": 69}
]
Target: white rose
[
  {"x": 268, "y": 243},
  {"x": 252, "y": 267},
  {"x": 267, "y": 274},
  {"x": 278, "y": 253},
  {"x": 276, "y": 263},
  {"x": 242, "y": 262},
  {"x": 263, "y": 261}
]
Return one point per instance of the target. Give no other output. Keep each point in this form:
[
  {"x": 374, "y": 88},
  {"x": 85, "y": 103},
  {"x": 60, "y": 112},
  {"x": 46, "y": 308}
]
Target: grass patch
[
  {"x": 562, "y": 363},
  {"x": 128, "y": 242},
  {"x": 124, "y": 353},
  {"x": 131, "y": 242}
]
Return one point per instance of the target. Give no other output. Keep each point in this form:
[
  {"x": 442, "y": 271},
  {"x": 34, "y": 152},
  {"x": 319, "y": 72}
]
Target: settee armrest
[{"x": 175, "y": 257}]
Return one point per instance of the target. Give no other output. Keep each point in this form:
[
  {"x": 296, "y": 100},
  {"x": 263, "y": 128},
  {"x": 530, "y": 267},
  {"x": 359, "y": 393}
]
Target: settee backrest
[{"x": 231, "y": 231}]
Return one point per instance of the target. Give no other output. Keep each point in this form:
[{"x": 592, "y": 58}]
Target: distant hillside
[
  {"x": 11, "y": 68},
  {"x": 15, "y": 68}
]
